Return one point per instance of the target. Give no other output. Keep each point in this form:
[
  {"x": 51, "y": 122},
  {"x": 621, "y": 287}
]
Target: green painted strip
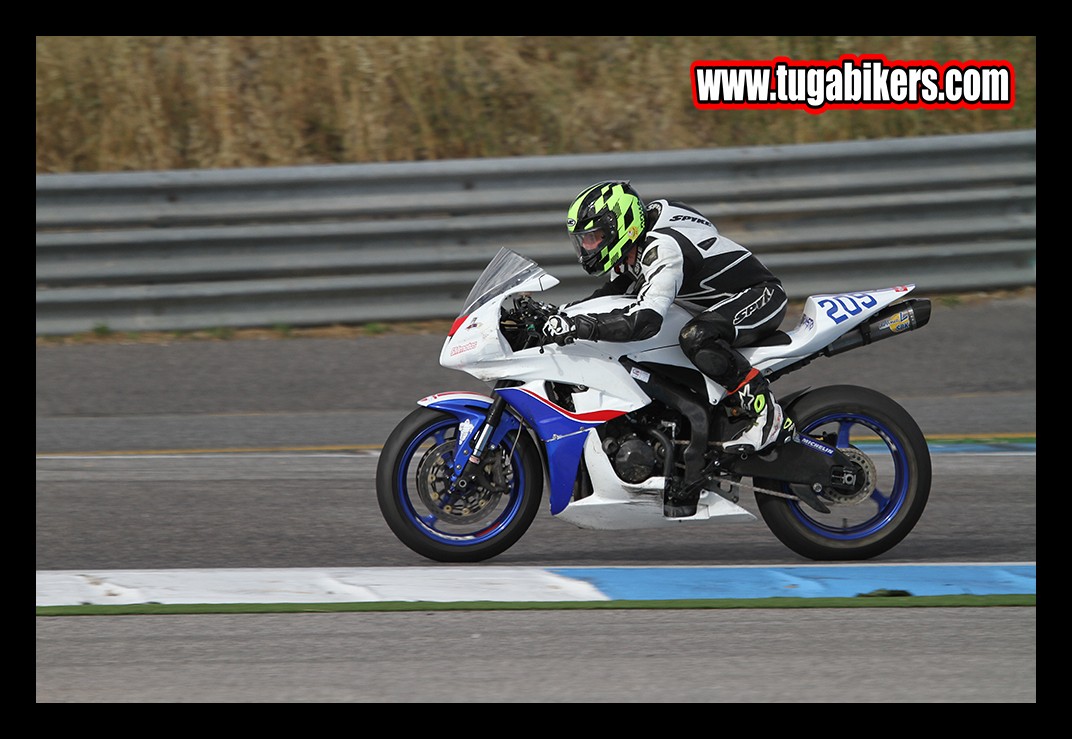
[{"x": 940, "y": 601}]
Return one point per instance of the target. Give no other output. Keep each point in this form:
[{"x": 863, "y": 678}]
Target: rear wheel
[
  {"x": 890, "y": 452},
  {"x": 413, "y": 488}
]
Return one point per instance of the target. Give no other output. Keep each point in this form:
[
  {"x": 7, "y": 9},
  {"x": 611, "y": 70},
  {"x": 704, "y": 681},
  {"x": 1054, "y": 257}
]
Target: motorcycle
[{"x": 618, "y": 428}]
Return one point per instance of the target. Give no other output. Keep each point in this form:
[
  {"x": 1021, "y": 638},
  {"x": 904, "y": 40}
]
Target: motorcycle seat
[{"x": 778, "y": 338}]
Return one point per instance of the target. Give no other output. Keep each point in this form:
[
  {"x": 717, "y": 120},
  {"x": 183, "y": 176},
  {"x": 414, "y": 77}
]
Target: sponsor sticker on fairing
[
  {"x": 639, "y": 374},
  {"x": 464, "y": 429},
  {"x": 468, "y": 346}
]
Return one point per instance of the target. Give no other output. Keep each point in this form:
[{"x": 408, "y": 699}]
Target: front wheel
[
  {"x": 413, "y": 488},
  {"x": 889, "y": 450}
]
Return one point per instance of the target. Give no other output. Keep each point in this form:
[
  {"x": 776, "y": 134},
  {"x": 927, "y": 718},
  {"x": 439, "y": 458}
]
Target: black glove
[
  {"x": 560, "y": 329},
  {"x": 563, "y": 329}
]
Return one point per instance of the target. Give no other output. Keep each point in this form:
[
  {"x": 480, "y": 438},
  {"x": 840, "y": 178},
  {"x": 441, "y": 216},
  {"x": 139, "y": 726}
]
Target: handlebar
[{"x": 523, "y": 325}]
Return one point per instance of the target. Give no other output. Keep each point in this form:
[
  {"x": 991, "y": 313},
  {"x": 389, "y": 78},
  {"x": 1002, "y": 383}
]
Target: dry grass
[{"x": 113, "y": 103}]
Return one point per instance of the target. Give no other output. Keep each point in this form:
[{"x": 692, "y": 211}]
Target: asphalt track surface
[{"x": 243, "y": 454}]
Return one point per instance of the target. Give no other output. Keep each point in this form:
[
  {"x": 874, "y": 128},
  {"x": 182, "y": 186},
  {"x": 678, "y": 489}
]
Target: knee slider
[
  {"x": 697, "y": 335},
  {"x": 715, "y": 364},
  {"x": 706, "y": 342}
]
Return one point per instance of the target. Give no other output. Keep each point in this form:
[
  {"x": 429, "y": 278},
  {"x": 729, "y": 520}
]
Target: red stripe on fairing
[
  {"x": 444, "y": 394},
  {"x": 428, "y": 400},
  {"x": 454, "y": 327},
  {"x": 590, "y": 416}
]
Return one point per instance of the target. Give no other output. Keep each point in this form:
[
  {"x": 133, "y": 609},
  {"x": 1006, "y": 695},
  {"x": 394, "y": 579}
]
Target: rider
[{"x": 665, "y": 251}]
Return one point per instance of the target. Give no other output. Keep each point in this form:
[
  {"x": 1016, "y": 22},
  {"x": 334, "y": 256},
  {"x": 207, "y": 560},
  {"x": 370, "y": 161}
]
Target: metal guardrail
[{"x": 318, "y": 245}]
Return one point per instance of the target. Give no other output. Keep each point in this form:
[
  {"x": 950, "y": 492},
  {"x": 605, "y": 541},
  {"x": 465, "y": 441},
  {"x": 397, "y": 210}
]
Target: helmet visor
[
  {"x": 593, "y": 239},
  {"x": 589, "y": 245}
]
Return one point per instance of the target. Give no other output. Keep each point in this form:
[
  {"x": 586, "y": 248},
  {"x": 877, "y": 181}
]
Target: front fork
[{"x": 472, "y": 471}]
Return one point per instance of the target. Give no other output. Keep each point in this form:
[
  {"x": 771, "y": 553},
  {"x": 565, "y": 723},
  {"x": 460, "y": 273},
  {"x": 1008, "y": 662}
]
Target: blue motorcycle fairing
[
  {"x": 472, "y": 412},
  {"x": 562, "y": 433}
]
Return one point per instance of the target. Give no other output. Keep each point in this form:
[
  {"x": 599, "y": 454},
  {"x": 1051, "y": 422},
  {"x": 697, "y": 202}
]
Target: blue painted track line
[{"x": 806, "y": 581}]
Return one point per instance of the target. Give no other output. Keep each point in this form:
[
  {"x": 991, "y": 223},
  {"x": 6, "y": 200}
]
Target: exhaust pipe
[{"x": 898, "y": 318}]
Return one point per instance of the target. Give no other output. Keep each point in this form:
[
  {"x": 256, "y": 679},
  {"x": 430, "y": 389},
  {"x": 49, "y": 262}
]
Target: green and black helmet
[{"x": 604, "y": 223}]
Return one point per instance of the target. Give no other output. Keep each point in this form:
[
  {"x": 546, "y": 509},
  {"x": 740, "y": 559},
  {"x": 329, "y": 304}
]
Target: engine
[
  {"x": 636, "y": 453},
  {"x": 633, "y": 458}
]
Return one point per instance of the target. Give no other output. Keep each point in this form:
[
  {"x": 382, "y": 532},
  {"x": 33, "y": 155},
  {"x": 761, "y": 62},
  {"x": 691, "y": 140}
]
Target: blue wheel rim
[
  {"x": 431, "y": 525},
  {"x": 889, "y": 495}
]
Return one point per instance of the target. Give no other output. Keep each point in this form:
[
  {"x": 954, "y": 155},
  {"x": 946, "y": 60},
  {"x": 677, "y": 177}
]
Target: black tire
[
  {"x": 413, "y": 472},
  {"x": 891, "y": 447}
]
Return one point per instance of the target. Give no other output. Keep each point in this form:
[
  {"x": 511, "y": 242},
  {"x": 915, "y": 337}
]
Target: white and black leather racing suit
[{"x": 684, "y": 257}]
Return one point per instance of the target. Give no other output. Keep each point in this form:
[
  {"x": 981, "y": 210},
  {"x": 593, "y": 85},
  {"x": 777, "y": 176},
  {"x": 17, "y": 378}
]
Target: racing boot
[
  {"x": 681, "y": 504},
  {"x": 765, "y": 425}
]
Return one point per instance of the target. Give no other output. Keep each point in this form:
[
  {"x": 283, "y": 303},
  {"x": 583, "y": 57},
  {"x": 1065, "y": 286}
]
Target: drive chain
[{"x": 748, "y": 487}]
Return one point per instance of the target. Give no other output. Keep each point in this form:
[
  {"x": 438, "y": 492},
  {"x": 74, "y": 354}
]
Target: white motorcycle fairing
[
  {"x": 628, "y": 435},
  {"x": 607, "y": 389}
]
